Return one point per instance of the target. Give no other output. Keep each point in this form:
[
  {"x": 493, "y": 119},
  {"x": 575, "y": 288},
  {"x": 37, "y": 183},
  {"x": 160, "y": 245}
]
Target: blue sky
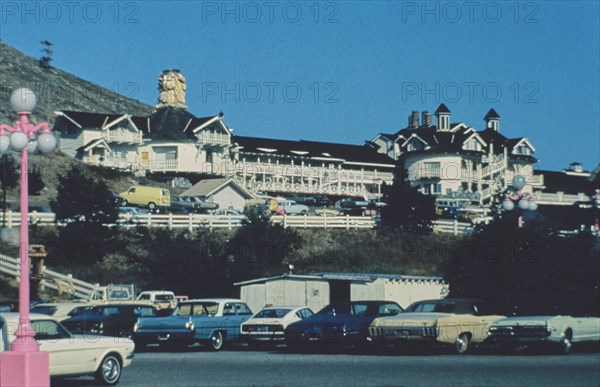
[{"x": 342, "y": 71}]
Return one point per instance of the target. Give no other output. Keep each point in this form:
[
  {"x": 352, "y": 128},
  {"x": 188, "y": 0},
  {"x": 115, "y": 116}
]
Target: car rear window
[
  {"x": 164, "y": 297},
  {"x": 272, "y": 313}
]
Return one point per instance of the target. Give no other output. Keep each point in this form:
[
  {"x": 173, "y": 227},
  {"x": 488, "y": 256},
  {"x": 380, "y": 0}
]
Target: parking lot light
[{"x": 24, "y": 364}]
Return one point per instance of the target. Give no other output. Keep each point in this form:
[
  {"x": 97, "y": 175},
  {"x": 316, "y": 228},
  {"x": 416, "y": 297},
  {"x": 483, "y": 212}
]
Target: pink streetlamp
[
  {"x": 25, "y": 364},
  {"x": 523, "y": 200}
]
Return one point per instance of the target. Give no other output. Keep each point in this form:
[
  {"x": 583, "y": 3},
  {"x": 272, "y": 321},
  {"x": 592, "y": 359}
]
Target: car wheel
[
  {"x": 109, "y": 372},
  {"x": 303, "y": 212},
  {"x": 461, "y": 345},
  {"x": 216, "y": 340},
  {"x": 151, "y": 205},
  {"x": 565, "y": 344}
]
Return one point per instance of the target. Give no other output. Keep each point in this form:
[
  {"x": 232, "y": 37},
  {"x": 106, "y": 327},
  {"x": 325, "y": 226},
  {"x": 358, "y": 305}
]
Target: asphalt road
[{"x": 240, "y": 367}]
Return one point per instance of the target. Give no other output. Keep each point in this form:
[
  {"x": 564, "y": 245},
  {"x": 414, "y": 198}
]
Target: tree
[
  {"x": 530, "y": 266},
  {"x": 46, "y": 60},
  {"x": 83, "y": 199},
  {"x": 35, "y": 182},
  {"x": 407, "y": 209},
  {"x": 9, "y": 178},
  {"x": 260, "y": 247}
]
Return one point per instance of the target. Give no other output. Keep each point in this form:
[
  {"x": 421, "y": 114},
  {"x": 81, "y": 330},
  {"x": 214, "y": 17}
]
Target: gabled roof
[
  {"x": 72, "y": 121},
  {"x": 313, "y": 150},
  {"x": 209, "y": 187}
]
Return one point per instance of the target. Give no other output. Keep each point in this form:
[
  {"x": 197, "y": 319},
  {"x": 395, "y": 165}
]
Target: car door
[{"x": 64, "y": 356}]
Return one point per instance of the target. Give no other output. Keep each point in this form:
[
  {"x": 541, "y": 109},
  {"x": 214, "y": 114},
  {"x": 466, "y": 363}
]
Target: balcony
[
  {"x": 213, "y": 139},
  {"x": 124, "y": 137},
  {"x": 161, "y": 165}
]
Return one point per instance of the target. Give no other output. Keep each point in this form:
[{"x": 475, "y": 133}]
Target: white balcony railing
[
  {"x": 122, "y": 137},
  {"x": 213, "y": 139}
]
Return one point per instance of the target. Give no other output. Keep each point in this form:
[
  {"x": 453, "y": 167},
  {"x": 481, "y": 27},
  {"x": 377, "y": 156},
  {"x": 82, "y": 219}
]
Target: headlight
[{"x": 136, "y": 326}]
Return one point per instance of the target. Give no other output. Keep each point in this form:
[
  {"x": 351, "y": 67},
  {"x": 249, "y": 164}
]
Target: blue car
[
  {"x": 343, "y": 324},
  {"x": 211, "y": 321}
]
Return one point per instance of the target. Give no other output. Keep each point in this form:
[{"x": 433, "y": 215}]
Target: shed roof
[{"x": 359, "y": 277}]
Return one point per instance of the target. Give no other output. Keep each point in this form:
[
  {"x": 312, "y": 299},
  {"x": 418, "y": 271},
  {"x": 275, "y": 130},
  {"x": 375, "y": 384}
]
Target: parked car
[
  {"x": 61, "y": 310},
  {"x": 202, "y": 204},
  {"x": 340, "y": 323},
  {"x": 357, "y": 211},
  {"x": 211, "y": 321},
  {"x": 458, "y": 322},
  {"x": 351, "y": 203},
  {"x": 109, "y": 320},
  {"x": 162, "y": 299},
  {"x": 69, "y": 354},
  {"x": 183, "y": 204},
  {"x": 302, "y": 199},
  {"x": 150, "y": 197},
  {"x": 554, "y": 331},
  {"x": 226, "y": 214},
  {"x": 322, "y": 201},
  {"x": 268, "y": 325},
  {"x": 290, "y": 207}
]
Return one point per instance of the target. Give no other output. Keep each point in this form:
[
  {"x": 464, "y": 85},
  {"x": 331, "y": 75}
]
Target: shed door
[{"x": 339, "y": 291}]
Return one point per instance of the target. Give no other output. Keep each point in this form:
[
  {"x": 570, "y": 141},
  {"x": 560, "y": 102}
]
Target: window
[
  {"x": 438, "y": 188},
  {"x": 242, "y": 309},
  {"x": 523, "y": 150},
  {"x": 48, "y": 330},
  {"x": 472, "y": 145},
  {"x": 359, "y": 309},
  {"x": 389, "y": 309},
  {"x": 415, "y": 145},
  {"x": 209, "y": 157},
  {"x": 228, "y": 310}
]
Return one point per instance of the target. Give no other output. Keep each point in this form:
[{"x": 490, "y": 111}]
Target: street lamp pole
[
  {"x": 524, "y": 201},
  {"x": 24, "y": 364}
]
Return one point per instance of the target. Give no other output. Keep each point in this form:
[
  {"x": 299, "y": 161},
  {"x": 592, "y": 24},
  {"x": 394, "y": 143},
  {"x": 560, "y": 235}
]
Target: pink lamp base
[{"x": 24, "y": 369}]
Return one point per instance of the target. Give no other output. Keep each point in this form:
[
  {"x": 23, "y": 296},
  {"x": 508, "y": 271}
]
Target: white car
[
  {"x": 558, "y": 331},
  {"x": 268, "y": 325},
  {"x": 72, "y": 355},
  {"x": 292, "y": 208},
  {"x": 163, "y": 299},
  {"x": 61, "y": 310}
]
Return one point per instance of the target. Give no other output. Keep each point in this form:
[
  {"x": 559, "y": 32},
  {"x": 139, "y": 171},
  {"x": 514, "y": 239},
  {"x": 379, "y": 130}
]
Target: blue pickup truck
[{"x": 211, "y": 321}]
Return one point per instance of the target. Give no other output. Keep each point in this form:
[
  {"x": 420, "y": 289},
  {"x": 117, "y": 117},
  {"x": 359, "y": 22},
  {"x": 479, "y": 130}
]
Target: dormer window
[
  {"x": 472, "y": 145},
  {"x": 523, "y": 150},
  {"x": 415, "y": 145}
]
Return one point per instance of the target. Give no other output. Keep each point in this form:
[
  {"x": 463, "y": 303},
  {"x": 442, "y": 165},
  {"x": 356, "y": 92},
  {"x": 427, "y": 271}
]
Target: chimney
[
  {"x": 413, "y": 120},
  {"x": 426, "y": 119}
]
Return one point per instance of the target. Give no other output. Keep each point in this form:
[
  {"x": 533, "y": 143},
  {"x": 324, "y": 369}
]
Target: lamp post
[
  {"x": 24, "y": 364},
  {"x": 524, "y": 201}
]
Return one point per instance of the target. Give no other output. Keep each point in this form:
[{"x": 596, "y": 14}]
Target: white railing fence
[
  {"x": 61, "y": 283},
  {"x": 193, "y": 221}
]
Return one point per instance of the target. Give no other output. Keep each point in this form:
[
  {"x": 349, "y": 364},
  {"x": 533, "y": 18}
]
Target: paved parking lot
[{"x": 240, "y": 367}]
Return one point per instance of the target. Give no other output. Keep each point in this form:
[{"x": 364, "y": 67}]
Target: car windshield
[
  {"x": 429, "y": 307},
  {"x": 197, "y": 308},
  {"x": 272, "y": 313},
  {"x": 164, "y": 297}
]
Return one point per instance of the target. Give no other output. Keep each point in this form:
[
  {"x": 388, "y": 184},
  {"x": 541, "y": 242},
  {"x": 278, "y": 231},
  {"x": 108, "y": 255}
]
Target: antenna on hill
[{"x": 45, "y": 61}]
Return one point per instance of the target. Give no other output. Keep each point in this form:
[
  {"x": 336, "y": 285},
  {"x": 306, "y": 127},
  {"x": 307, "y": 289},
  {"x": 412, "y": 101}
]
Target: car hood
[
  {"x": 523, "y": 320},
  {"x": 409, "y": 319},
  {"x": 264, "y": 321}
]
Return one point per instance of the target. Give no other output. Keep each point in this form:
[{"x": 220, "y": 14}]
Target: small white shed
[
  {"x": 225, "y": 192},
  {"x": 319, "y": 290}
]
